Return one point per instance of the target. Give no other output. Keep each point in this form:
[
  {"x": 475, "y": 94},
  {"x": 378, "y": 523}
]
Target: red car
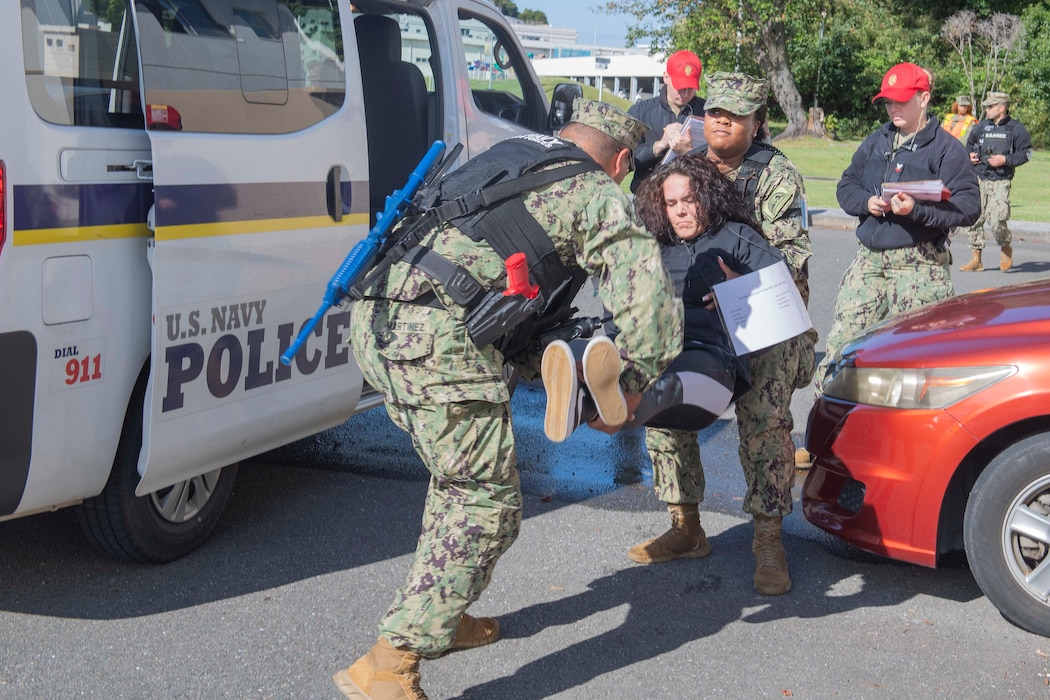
[{"x": 933, "y": 435}]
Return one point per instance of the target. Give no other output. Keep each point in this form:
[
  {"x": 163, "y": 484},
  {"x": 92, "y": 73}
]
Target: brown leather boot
[
  {"x": 685, "y": 540},
  {"x": 1006, "y": 258},
  {"x": 771, "y": 568},
  {"x": 975, "y": 264},
  {"x": 475, "y": 632},
  {"x": 384, "y": 673}
]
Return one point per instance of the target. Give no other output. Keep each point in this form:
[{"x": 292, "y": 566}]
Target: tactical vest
[
  {"x": 483, "y": 200},
  {"x": 994, "y": 139},
  {"x": 755, "y": 161}
]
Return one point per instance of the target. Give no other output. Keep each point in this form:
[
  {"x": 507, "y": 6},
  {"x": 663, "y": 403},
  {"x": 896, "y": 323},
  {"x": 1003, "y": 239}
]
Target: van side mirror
[{"x": 561, "y": 105}]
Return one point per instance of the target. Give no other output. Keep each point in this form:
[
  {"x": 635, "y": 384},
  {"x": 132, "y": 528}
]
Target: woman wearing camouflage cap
[
  {"x": 772, "y": 188},
  {"x": 960, "y": 119}
]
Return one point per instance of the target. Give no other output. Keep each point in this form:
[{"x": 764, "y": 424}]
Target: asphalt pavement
[{"x": 310, "y": 551}]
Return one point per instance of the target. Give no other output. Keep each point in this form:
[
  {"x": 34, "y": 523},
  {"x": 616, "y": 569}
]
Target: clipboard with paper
[
  {"x": 926, "y": 190},
  {"x": 695, "y": 126},
  {"x": 762, "y": 308}
]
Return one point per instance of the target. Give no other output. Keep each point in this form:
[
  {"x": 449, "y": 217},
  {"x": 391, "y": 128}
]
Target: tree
[
  {"x": 533, "y": 17},
  {"x": 999, "y": 38},
  {"x": 760, "y": 28},
  {"x": 507, "y": 7}
]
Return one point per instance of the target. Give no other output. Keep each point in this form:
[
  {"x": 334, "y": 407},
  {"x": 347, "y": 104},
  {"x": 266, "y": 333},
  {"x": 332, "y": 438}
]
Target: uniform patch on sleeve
[{"x": 778, "y": 202}]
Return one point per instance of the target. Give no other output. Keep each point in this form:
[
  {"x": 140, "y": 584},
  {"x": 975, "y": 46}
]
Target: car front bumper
[{"x": 879, "y": 475}]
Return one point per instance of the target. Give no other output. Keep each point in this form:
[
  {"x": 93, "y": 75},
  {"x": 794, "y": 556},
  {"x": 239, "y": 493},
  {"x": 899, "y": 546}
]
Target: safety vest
[{"x": 959, "y": 126}]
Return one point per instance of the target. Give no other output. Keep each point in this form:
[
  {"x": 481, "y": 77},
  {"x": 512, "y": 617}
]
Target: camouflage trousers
[
  {"x": 882, "y": 283},
  {"x": 763, "y": 418},
  {"x": 678, "y": 475},
  {"x": 995, "y": 211},
  {"x": 767, "y": 453},
  {"x": 472, "y": 513}
]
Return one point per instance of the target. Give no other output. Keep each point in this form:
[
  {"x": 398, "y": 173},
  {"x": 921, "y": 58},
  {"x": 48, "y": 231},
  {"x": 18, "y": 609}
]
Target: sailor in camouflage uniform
[
  {"x": 770, "y": 183},
  {"x": 413, "y": 342},
  {"x": 998, "y": 144}
]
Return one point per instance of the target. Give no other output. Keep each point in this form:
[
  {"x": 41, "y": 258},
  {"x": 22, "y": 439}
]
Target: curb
[{"x": 1031, "y": 231}]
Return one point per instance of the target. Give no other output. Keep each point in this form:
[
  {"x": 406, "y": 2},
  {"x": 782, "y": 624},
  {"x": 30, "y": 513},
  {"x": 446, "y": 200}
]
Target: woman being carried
[{"x": 707, "y": 235}]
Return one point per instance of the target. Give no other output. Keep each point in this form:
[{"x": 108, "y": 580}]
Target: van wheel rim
[{"x": 185, "y": 500}]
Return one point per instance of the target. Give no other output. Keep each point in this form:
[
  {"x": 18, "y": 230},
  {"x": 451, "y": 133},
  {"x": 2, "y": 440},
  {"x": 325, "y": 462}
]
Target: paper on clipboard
[
  {"x": 696, "y": 135},
  {"x": 928, "y": 190},
  {"x": 762, "y": 308}
]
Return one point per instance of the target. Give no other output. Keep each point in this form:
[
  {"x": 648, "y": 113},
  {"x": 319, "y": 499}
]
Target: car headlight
[{"x": 933, "y": 387}]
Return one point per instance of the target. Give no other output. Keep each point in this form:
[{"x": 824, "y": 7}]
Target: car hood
[{"x": 985, "y": 327}]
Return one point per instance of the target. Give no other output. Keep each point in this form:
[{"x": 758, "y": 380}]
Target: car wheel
[
  {"x": 1007, "y": 533},
  {"x": 158, "y": 527}
]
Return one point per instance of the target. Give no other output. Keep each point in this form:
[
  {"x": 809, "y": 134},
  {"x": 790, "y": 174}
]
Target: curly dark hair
[{"x": 716, "y": 196}]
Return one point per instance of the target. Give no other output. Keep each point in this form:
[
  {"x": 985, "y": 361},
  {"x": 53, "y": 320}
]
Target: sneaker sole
[
  {"x": 601, "y": 373},
  {"x": 347, "y": 687},
  {"x": 558, "y": 370}
]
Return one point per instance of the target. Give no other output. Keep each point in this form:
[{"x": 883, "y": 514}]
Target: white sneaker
[
  {"x": 601, "y": 373},
  {"x": 564, "y": 398}
]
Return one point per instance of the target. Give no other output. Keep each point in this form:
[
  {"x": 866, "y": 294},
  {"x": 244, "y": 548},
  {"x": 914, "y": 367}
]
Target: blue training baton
[{"x": 362, "y": 256}]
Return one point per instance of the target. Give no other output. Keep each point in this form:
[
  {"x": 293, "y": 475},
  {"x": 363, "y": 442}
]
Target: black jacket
[
  {"x": 693, "y": 265},
  {"x": 933, "y": 154},
  {"x": 1008, "y": 138},
  {"x": 656, "y": 114}
]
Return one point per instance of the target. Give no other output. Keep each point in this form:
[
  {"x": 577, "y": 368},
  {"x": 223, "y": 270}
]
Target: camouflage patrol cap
[
  {"x": 609, "y": 120},
  {"x": 995, "y": 98},
  {"x": 963, "y": 101},
  {"x": 736, "y": 93}
]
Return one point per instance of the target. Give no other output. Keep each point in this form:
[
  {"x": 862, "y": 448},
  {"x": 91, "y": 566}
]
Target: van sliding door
[{"x": 259, "y": 165}]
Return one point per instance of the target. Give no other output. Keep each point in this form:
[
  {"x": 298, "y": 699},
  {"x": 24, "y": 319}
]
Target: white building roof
[{"x": 633, "y": 66}]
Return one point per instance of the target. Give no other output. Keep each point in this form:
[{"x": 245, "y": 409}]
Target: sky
[{"x": 577, "y": 14}]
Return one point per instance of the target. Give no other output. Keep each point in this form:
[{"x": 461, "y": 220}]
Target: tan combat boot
[
  {"x": 771, "y": 568},
  {"x": 384, "y": 673},
  {"x": 975, "y": 264},
  {"x": 475, "y": 632},
  {"x": 685, "y": 540},
  {"x": 1006, "y": 258}
]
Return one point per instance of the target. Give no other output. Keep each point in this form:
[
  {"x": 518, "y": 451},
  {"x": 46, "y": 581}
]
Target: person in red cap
[
  {"x": 665, "y": 114},
  {"x": 903, "y": 260}
]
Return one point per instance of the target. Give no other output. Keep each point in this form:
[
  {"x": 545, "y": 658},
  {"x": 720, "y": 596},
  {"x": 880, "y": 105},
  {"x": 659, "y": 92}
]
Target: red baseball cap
[
  {"x": 684, "y": 70},
  {"x": 902, "y": 81}
]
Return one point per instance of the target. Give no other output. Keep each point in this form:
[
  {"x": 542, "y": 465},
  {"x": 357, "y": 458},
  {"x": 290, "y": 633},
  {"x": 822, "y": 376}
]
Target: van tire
[{"x": 134, "y": 528}]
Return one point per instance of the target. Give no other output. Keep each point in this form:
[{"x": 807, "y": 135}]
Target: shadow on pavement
[{"x": 674, "y": 604}]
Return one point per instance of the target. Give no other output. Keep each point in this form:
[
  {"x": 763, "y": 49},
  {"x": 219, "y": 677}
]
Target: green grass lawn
[{"x": 821, "y": 163}]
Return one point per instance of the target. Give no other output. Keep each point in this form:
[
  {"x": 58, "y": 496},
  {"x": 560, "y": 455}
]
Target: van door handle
[
  {"x": 143, "y": 169},
  {"x": 334, "y": 193}
]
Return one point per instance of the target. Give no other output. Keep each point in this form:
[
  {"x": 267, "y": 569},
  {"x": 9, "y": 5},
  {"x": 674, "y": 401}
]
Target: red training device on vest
[{"x": 518, "y": 278}]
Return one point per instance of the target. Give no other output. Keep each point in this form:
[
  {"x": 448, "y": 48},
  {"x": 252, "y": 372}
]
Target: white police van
[{"x": 178, "y": 181}]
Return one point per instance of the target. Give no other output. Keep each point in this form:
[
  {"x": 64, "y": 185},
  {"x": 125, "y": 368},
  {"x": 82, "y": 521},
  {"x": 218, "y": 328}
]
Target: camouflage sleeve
[
  {"x": 614, "y": 247},
  {"x": 779, "y": 207}
]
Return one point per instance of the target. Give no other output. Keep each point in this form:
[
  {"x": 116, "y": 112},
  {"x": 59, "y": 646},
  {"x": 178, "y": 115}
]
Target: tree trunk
[
  {"x": 772, "y": 56},
  {"x": 815, "y": 123}
]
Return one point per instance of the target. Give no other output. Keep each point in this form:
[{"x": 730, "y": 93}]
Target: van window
[
  {"x": 494, "y": 66},
  {"x": 242, "y": 66},
  {"x": 400, "y": 83},
  {"x": 80, "y": 63}
]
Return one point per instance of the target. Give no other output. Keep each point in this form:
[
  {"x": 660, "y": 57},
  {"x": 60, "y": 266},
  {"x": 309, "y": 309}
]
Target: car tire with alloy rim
[
  {"x": 161, "y": 526},
  {"x": 1007, "y": 533}
]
